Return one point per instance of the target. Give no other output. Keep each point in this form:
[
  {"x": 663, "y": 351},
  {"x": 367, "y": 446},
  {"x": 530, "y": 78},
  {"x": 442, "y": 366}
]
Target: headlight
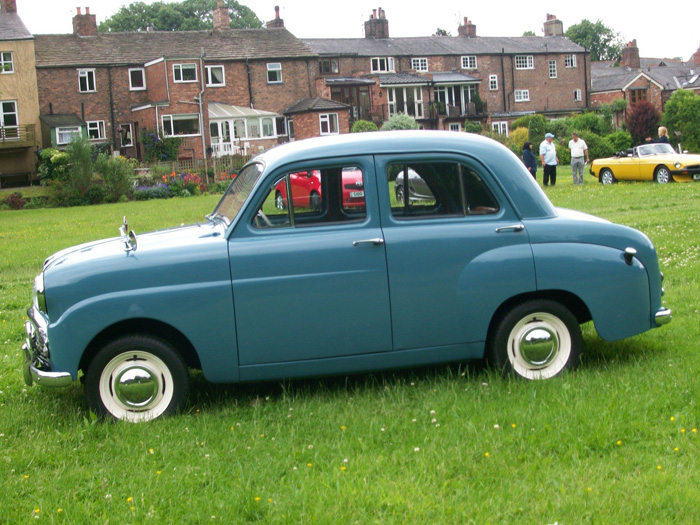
[
  {"x": 38, "y": 296},
  {"x": 677, "y": 165}
]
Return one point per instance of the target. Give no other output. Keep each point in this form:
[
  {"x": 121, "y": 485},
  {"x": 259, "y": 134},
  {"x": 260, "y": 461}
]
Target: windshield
[
  {"x": 655, "y": 149},
  {"x": 237, "y": 193}
]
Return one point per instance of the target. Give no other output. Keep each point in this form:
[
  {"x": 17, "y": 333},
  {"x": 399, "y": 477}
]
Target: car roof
[{"x": 510, "y": 173}]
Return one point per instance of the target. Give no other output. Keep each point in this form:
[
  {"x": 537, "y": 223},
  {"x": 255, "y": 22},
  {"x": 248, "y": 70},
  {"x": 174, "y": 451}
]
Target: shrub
[
  {"x": 473, "y": 127},
  {"x": 116, "y": 174},
  {"x": 80, "y": 171},
  {"x": 682, "y": 118},
  {"x": 95, "y": 194},
  {"x": 518, "y": 137},
  {"x": 400, "y": 121},
  {"x": 15, "y": 201},
  {"x": 361, "y": 126},
  {"x": 537, "y": 128},
  {"x": 157, "y": 148},
  {"x": 620, "y": 140},
  {"x": 53, "y": 164}
]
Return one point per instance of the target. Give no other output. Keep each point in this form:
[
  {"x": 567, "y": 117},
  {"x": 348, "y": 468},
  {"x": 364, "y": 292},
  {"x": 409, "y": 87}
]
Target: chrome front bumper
[
  {"x": 663, "y": 316},
  {"x": 36, "y": 355}
]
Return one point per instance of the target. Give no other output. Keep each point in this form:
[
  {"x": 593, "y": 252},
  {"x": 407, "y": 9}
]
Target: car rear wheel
[
  {"x": 535, "y": 340},
  {"x": 136, "y": 378},
  {"x": 662, "y": 175},
  {"x": 399, "y": 194},
  {"x": 279, "y": 200},
  {"x": 607, "y": 177}
]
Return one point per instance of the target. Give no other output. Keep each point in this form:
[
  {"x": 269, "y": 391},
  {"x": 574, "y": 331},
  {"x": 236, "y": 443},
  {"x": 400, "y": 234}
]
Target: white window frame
[
  {"x": 500, "y": 127},
  {"x": 577, "y": 95},
  {"x": 570, "y": 61},
  {"x": 419, "y": 64},
  {"x": 417, "y": 104},
  {"x": 130, "y": 135},
  {"x": 7, "y": 59},
  {"x": 178, "y": 69},
  {"x": 9, "y": 131},
  {"x": 99, "y": 127},
  {"x": 522, "y": 95},
  {"x": 208, "y": 70},
  {"x": 73, "y": 130},
  {"x": 524, "y": 62},
  {"x": 328, "y": 123},
  {"x": 274, "y": 69},
  {"x": 552, "y": 69},
  {"x": 493, "y": 82},
  {"x": 469, "y": 62},
  {"x": 132, "y": 87},
  {"x": 89, "y": 76},
  {"x": 455, "y": 126},
  {"x": 171, "y": 119},
  {"x": 382, "y": 64}
]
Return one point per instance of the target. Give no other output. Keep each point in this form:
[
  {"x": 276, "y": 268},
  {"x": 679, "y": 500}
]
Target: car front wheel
[
  {"x": 607, "y": 177},
  {"x": 136, "y": 378},
  {"x": 662, "y": 175},
  {"x": 535, "y": 340}
]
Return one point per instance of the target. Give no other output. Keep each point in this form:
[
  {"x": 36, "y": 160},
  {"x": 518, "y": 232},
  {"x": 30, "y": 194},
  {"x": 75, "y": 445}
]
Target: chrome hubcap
[
  {"x": 136, "y": 386},
  {"x": 539, "y": 346}
]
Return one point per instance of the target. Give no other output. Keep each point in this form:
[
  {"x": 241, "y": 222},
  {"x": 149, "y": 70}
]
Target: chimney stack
[
  {"x": 85, "y": 25},
  {"x": 630, "y": 55},
  {"x": 695, "y": 59},
  {"x": 8, "y": 6},
  {"x": 468, "y": 29},
  {"x": 222, "y": 20},
  {"x": 277, "y": 23},
  {"x": 553, "y": 27},
  {"x": 377, "y": 26}
]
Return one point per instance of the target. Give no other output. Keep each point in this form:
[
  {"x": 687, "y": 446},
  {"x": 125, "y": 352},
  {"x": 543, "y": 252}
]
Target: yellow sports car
[{"x": 657, "y": 162}]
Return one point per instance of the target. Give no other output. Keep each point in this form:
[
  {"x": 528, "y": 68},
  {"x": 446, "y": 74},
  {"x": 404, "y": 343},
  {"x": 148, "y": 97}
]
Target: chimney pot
[{"x": 78, "y": 10}]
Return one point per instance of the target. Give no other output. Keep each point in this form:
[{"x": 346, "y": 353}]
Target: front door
[{"x": 311, "y": 283}]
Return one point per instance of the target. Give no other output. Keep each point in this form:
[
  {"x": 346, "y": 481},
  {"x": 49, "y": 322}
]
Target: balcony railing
[{"x": 17, "y": 136}]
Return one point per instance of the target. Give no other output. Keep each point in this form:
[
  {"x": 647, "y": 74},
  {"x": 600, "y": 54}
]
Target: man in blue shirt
[{"x": 548, "y": 155}]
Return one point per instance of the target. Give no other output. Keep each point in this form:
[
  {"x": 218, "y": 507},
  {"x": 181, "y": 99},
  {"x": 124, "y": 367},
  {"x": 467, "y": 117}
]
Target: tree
[
  {"x": 442, "y": 32},
  {"x": 362, "y": 126},
  {"x": 188, "y": 15},
  {"x": 602, "y": 42},
  {"x": 529, "y": 33},
  {"x": 642, "y": 121},
  {"x": 682, "y": 118},
  {"x": 400, "y": 121}
]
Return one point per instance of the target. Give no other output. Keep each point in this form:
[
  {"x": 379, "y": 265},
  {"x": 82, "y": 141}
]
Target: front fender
[{"x": 616, "y": 293}]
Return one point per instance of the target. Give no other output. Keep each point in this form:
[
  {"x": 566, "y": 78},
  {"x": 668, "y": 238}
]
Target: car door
[
  {"x": 627, "y": 168},
  {"x": 452, "y": 259},
  {"x": 311, "y": 284}
]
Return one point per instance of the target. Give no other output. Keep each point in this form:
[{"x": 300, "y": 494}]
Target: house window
[
  {"x": 86, "y": 81},
  {"x": 215, "y": 76},
  {"x": 268, "y": 127},
  {"x": 274, "y": 73},
  {"x": 419, "y": 64},
  {"x": 7, "y": 65},
  {"x": 137, "y": 79},
  {"x": 455, "y": 126},
  {"x": 96, "y": 129},
  {"x": 126, "y": 135},
  {"x": 500, "y": 127},
  {"x": 179, "y": 125},
  {"x": 328, "y": 123},
  {"x": 552, "y": 69},
  {"x": 469, "y": 62},
  {"x": 382, "y": 65},
  {"x": 407, "y": 100},
  {"x": 637, "y": 95},
  {"x": 524, "y": 62},
  {"x": 281, "y": 126},
  {"x": 522, "y": 95},
  {"x": 493, "y": 82},
  {"x": 68, "y": 134},
  {"x": 570, "y": 61},
  {"x": 577, "y": 95},
  {"x": 185, "y": 72},
  {"x": 9, "y": 122},
  {"x": 326, "y": 65}
]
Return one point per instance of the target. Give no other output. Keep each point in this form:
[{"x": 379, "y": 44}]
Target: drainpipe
[
  {"x": 250, "y": 89},
  {"x": 503, "y": 78},
  {"x": 111, "y": 107},
  {"x": 585, "y": 78},
  {"x": 201, "y": 116}
]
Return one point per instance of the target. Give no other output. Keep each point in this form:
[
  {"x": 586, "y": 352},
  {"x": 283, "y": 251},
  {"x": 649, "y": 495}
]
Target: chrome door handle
[
  {"x": 376, "y": 242},
  {"x": 514, "y": 227}
]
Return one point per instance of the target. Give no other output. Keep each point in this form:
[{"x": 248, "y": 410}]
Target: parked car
[
  {"x": 657, "y": 162},
  {"x": 306, "y": 189},
  {"x": 487, "y": 268},
  {"x": 418, "y": 190}
]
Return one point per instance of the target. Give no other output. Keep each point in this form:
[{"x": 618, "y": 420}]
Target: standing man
[
  {"x": 548, "y": 156},
  {"x": 579, "y": 151}
]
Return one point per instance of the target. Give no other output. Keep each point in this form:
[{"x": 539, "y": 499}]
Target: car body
[
  {"x": 487, "y": 268},
  {"x": 648, "y": 162}
]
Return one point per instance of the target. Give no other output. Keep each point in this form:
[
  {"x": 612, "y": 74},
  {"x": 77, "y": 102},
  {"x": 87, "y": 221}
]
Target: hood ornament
[{"x": 128, "y": 238}]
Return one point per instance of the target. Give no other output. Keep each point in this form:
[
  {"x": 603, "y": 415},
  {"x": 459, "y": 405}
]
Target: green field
[{"x": 616, "y": 441}]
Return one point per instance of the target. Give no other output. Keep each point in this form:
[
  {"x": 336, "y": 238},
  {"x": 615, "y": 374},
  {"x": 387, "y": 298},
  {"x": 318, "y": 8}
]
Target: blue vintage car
[{"x": 365, "y": 279}]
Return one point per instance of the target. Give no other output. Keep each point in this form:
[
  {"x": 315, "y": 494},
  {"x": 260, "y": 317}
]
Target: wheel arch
[
  {"x": 147, "y": 327},
  {"x": 567, "y": 299}
]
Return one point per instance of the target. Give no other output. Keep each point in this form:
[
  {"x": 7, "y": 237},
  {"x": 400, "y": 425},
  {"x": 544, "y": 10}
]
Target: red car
[{"x": 306, "y": 190}]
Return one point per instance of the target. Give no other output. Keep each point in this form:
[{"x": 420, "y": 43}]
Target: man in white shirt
[
  {"x": 579, "y": 152},
  {"x": 548, "y": 156}
]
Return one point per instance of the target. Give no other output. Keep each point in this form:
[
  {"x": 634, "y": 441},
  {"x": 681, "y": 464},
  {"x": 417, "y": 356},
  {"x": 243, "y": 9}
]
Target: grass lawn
[{"x": 616, "y": 441}]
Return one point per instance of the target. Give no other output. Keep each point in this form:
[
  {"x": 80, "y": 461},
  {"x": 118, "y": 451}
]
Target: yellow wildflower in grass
[
  {"x": 257, "y": 498},
  {"x": 343, "y": 468},
  {"x": 513, "y": 425},
  {"x": 658, "y": 467},
  {"x": 682, "y": 431},
  {"x": 487, "y": 455},
  {"x": 675, "y": 449},
  {"x": 37, "y": 511},
  {"x": 673, "y": 418},
  {"x": 695, "y": 430},
  {"x": 343, "y": 428},
  {"x": 129, "y": 499},
  {"x": 619, "y": 443},
  {"x": 308, "y": 465},
  {"x": 150, "y": 451},
  {"x": 158, "y": 472}
]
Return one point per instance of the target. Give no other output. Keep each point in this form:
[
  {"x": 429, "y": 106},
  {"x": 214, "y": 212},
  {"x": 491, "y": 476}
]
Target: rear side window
[
  {"x": 316, "y": 196},
  {"x": 438, "y": 189}
]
